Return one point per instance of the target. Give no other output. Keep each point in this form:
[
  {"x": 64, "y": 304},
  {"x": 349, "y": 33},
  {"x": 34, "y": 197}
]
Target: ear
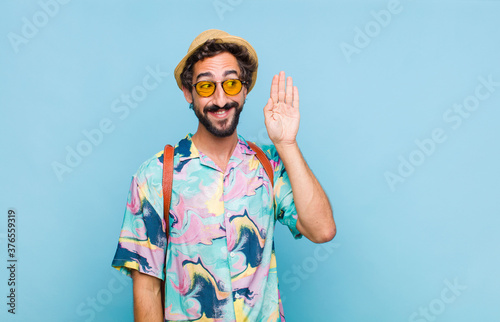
[
  {"x": 245, "y": 92},
  {"x": 188, "y": 95}
]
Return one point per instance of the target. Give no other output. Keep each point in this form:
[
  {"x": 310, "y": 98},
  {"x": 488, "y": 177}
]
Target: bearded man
[{"x": 219, "y": 261}]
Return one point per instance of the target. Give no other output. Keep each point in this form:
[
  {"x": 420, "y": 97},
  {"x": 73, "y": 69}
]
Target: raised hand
[{"x": 281, "y": 112}]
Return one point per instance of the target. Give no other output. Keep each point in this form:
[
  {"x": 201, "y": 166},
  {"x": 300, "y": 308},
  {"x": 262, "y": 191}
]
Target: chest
[{"x": 212, "y": 204}]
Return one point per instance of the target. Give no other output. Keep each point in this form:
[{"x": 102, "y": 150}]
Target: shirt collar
[
  {"x": 187, "y": 150},
  {"x": 244, "y": 147}
]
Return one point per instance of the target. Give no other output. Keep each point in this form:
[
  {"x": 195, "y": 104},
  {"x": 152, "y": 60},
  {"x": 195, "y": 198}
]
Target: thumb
[{"x": 269, "y": 106}]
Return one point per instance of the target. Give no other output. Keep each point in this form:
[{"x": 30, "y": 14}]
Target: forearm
[
  {"x": 315, "y": 216},
  {"x": 147, "y": 298}
]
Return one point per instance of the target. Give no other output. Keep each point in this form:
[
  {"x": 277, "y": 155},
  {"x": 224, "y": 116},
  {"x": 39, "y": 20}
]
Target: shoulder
[
  {"x": 155, "y": 162},
  {"x": 270, "y": 152},
  {"x": 274, "y": 158},
  {"x": 268, "y": 149},
  {"x": 150, "y": 168}
]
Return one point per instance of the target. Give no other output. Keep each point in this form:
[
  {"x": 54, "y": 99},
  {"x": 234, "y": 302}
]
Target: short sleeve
[
  {"x": 285, "y": 206},
  {"x": 142, "y": 241}
]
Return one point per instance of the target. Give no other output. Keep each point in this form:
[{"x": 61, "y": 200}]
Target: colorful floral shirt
[{"x": 220, "y": 263}]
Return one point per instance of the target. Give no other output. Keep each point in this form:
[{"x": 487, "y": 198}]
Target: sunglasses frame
[{"x": 221, "y": 84}]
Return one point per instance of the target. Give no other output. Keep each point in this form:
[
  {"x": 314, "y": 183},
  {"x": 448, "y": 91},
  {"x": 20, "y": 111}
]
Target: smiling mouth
[{"x": 220, "y": 113}]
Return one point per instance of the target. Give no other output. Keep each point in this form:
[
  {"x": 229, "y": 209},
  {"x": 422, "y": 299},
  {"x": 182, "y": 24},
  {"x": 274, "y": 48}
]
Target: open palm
[{"x": 281, "y": 112}]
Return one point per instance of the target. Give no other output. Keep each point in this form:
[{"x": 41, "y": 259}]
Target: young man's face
[{"x": 218, "y": 113}]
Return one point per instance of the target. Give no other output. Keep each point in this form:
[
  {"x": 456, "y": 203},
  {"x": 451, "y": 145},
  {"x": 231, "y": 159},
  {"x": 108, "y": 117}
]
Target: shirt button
[
  {"x": 231, "y": 254},
  {"x": 228, "y": 215},
  {"x": 237, "y": 295}
]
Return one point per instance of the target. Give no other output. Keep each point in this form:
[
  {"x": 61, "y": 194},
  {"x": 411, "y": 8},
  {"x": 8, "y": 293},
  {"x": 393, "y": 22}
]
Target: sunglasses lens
[
  {"x": 205, "y": 88},
  {"x": 232, "y": 86}
]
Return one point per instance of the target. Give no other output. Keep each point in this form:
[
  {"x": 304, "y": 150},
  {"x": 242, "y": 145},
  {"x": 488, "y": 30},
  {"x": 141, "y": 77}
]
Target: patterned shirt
[{"x": 220, "y": 263}]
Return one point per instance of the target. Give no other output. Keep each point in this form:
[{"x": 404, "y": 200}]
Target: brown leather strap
[
  {"x": 168, "y": 178},
  {"x": 264, "y": 161}
]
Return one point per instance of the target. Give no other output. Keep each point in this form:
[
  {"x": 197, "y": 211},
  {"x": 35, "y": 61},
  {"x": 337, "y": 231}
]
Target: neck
[{"x": 216, "y": 148}]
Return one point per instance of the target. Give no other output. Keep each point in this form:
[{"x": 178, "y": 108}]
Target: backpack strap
[
  {"x": 168, "y": 178},
  {"x": 264, "y": 161}
]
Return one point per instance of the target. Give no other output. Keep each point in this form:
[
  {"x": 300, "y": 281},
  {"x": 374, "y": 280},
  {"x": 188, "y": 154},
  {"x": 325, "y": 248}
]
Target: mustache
[{"x": 227, "y": 106}]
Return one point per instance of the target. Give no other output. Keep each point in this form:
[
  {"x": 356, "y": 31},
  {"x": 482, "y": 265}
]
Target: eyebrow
[
  {"x": 229, "y": 72},
  {"x": 226, "y": 73}
]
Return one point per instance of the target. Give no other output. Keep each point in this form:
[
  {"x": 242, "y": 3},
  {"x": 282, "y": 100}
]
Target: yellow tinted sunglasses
[{"x": 230, "y": 86}]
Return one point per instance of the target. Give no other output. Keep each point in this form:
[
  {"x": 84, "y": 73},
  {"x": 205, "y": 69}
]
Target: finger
[
  {"x": 295, "y": 97},
  {"x": 269, "y": 106},
  {"x": 281, "y": 87},
  {"x": 289, "y": 91},
  {"x": 274, "y": 89}
]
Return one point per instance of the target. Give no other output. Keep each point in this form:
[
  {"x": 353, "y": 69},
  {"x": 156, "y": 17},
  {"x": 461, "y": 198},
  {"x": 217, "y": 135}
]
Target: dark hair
[{"x": 211, "y": 48}]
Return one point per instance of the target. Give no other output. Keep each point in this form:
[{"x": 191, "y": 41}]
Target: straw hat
[{"x": 222, "y": 37}]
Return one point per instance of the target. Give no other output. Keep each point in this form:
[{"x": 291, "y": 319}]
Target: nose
[{"x": 220, "y": 97}]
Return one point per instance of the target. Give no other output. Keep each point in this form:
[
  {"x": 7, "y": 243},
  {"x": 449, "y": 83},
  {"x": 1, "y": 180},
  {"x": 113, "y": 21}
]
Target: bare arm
[
  {"x": 315, "y": 216},
  {"x": 147, "y": 298}
]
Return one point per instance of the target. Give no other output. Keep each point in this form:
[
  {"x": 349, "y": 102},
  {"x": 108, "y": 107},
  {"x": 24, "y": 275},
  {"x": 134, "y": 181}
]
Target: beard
[{"x": 222, "y": 128}]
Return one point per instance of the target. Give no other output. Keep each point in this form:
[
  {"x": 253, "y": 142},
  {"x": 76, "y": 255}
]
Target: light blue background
[{"x": 396, "y": 250}]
